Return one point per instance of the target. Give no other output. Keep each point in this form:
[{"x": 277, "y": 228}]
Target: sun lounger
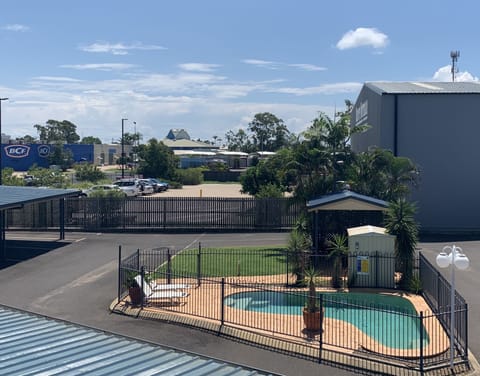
[{"x": 152, "y": 295}]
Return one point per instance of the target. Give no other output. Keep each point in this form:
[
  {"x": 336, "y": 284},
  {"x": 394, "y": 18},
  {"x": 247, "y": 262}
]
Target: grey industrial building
[{"x": 435, "y": 124}]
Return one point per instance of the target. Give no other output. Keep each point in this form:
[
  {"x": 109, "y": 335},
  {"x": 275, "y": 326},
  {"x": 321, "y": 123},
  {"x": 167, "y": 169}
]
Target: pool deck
[{"x": 204, "y": 301}]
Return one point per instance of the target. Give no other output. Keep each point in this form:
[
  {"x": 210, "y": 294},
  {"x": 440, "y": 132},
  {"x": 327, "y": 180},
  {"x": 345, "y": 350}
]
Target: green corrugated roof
[{"x": 11, "y": 196}]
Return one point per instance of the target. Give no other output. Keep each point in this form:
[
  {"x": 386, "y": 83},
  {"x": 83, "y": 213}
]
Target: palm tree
[
  {"x": 337, "y": 245},
  {"x": 298, "y": 249},
  {"x": 400, "y": 222}
]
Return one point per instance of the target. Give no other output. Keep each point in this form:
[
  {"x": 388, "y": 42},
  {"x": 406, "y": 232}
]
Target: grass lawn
[{"x": 229, "y": 262}]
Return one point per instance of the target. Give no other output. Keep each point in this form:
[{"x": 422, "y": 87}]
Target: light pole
[
  {"x": 456, "y": 259},
  {"x": 1, "y": 149},
  {"x": 123, "y": 151}
]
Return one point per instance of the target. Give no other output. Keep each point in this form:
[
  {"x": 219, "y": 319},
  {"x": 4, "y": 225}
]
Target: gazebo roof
[
  {"x": 346, "y": 200},
  {"x": 13, "y": 197}
]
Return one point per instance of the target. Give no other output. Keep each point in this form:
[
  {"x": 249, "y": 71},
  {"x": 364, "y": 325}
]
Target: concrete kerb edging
[{"x": 257, "y": 339}]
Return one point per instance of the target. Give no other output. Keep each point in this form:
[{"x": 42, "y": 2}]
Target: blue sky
[{"x": 209, "y": 66}]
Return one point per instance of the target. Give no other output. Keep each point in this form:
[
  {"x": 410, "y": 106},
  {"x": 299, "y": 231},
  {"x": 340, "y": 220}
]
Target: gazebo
[{"x": 336, "y": 212}]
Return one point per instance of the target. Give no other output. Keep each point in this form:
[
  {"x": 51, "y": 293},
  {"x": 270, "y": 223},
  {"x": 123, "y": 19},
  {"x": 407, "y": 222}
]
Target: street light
[
  {"x": 457, "y": 259},
  {"x": 123, "y": 151},
  {"x": 1, "y": 151}
]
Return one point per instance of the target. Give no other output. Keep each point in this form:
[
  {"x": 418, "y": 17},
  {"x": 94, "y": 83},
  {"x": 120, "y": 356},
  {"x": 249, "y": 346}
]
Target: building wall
[{"x": 439, "y": 133}]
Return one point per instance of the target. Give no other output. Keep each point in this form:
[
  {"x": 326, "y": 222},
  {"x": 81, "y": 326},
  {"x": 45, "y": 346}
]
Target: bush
[
  {"x": 88, "y": 172},
  {"x": 190, "y": 176}
]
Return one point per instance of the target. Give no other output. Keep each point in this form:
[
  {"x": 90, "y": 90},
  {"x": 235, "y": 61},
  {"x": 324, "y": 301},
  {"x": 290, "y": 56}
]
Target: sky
[{"x": 208, "y": 66}]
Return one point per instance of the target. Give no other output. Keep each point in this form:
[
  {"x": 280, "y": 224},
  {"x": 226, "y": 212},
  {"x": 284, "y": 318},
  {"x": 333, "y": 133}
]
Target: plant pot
[
  {"x": 136, "y": 295},
  {"x": 312, "y": 320}
]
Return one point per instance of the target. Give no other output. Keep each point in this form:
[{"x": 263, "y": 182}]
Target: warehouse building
[{"x": 435, "y": 125}]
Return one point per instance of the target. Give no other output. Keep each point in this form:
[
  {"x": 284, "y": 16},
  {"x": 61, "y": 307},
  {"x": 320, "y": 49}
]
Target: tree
[
  {"x": 157, "y": 160},
  {"x": 27, "y": 139},
  {"x": 298, "y": 251},
  {"x": 91, "y": 140},
  {"x": 8, "y": 177},
  {"x": 58, "y": 131},
  {"x": 130, "y": 138},
  {"x": 239, "y": 141},
  {"x": 401, "y": 223},
  {"x": 269, "y": 133},
  {"x": 61, "y": 157},
  {"x": 338, "y": 249}
]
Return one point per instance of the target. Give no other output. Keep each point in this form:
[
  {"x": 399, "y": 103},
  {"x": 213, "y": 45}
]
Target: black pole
[
  {"x": 1, "y": 148},
  {"x": 123, "y": 151}
]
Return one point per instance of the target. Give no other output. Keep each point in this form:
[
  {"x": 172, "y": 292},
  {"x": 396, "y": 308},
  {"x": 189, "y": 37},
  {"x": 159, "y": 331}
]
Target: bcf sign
[{"x": 17, "y": 151}]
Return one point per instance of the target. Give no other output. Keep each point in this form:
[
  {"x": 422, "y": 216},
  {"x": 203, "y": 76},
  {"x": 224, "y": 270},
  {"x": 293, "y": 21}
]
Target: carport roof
[
  {"x": 12, "y": 196},
  {"x": 38, "y": 345},
  {"x": 346, "y": 200}
]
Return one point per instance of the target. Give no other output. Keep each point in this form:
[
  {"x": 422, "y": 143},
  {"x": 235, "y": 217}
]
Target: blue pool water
[{"x": 390, "y": 320}]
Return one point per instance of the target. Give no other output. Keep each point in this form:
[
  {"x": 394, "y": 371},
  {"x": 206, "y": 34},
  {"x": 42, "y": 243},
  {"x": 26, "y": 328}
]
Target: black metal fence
[
  {"x": 366, "y": 328},
  {"x": 159, "y": 214}
]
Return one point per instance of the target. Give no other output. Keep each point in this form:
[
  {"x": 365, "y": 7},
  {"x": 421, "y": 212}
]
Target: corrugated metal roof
[
  {"x": 424, "y": 87},
  {"x": 328, "y": 200},
  {"x": 11, "y": 196},
  {"x": 36, "y": 345}
]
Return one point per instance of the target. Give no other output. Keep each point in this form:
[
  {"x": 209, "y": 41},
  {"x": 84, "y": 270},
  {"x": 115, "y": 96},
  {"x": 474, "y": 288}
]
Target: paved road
[{"x": 78, "y": 282}]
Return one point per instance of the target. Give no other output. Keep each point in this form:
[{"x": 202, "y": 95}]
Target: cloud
[
  {"x": 261, "y": 63},
  {"x": 327, "y": 89},
  {"x": 118, "y": 48},
  {"x": 56, "y": 79},
  {"x": 308, "y": 67},
  {"x": 16, "y": 27},
  {"x": 198, "y": 67},
  {"x": 361, "y": 37},
  {"x": 444, "y": 74},
  {"x": 101, "y": 67}
]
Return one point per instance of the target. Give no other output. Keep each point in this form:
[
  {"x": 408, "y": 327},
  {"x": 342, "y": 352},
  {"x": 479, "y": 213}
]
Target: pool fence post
[
  {"x": 142, "y": 273},
  {"x": 199, "y": 264},
  {"x": 119, "y": 290},
  {"x": 169, "y": 266},
  {"x": 320, "y": 344},
  {"x": 420, "y": 327},
  {"x": 222, "y": 302}
]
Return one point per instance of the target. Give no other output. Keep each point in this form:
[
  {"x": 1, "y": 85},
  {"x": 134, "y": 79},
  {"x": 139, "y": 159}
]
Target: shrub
[
  {"x": 190, "y": 176},
  {"x": 88, "y": 172}
]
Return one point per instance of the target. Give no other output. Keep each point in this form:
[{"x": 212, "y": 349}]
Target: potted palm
[{"x": 312, "y": 314}]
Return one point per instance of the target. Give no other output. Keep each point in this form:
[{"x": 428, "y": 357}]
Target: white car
[
  {"x": 129, "y": 186},
  {"x": 146, "y": 188},
  {"x": 100, "y": 188}
]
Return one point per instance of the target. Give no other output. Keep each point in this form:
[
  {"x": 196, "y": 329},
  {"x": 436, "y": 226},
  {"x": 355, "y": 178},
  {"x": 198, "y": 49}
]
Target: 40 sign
[{"x": 17, "y": 151}]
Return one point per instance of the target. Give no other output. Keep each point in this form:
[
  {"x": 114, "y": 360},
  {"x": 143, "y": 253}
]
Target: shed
[{"x": 371, "y": 257}]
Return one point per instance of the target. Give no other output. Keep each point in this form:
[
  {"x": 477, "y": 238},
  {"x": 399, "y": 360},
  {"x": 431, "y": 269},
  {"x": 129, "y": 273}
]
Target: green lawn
[{"x": 229, "y": 262}]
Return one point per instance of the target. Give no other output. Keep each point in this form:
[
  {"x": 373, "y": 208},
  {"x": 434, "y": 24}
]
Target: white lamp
[{"x": 457, "y": 259}]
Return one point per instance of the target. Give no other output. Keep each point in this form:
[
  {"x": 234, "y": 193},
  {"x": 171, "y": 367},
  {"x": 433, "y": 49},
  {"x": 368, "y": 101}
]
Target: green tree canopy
[
  {"x": 157, "y": 160},
  {"x": 55, "y": 131},
  {"x": 91, "y": 140}
]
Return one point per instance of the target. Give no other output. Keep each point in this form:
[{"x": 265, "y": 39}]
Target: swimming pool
[{"x": 390, "y": 320}]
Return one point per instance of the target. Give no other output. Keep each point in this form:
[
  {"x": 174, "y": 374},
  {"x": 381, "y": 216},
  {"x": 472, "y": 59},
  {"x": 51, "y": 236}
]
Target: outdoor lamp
[{"x": 457, "y": 259}]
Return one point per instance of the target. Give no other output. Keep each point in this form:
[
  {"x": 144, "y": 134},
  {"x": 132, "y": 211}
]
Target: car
[
  {"x": 159, "y": 186},
  {"x": 129, "y": 186},
  {"x": 146, "y": 188},
  {"x": 100, "y": 188}
]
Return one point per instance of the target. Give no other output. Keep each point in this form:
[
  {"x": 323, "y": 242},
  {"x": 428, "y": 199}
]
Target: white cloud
[
  {"x": 262, "y": 63},
  {"x": 308, "y": 67},
  {"x": 101, "y": 67},
  {"x": 328, "y": 89},
  {"x": 16, "y": 27},
  {"x": 444, "y": 74},
  {"x": 361, "y": 37},
  {"x": 118, "y": 48},
  {"x": 198, "y": 67},
  {"x": 56, "y": 79}
]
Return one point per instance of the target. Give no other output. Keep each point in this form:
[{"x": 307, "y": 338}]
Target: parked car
[
  {"x": 146, "y": 188},
  {"x": 159, "y": 186},
  {"x": 100, "y": 188},
  {"x": 129, "y": 186}
]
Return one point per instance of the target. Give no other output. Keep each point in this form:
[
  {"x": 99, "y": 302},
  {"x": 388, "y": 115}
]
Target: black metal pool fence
[{"x": 405, "y": 342}]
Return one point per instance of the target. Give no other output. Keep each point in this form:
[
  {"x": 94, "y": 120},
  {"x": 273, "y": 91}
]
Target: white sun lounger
[
  {"x": 162, "y": 286},
  {"x": 155, "y": 295}
]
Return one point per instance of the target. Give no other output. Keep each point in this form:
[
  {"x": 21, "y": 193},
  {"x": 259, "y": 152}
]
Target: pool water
[{"x": 390, "y": 320}]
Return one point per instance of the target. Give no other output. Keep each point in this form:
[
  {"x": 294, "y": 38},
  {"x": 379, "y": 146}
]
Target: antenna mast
[{"x": 454, "y": 55}]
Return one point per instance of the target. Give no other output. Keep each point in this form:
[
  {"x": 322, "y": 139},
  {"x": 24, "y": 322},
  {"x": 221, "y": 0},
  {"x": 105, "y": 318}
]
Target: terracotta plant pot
[
  {"x": 135, "y": 294},
  {"x": 312, "y": 320}
]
